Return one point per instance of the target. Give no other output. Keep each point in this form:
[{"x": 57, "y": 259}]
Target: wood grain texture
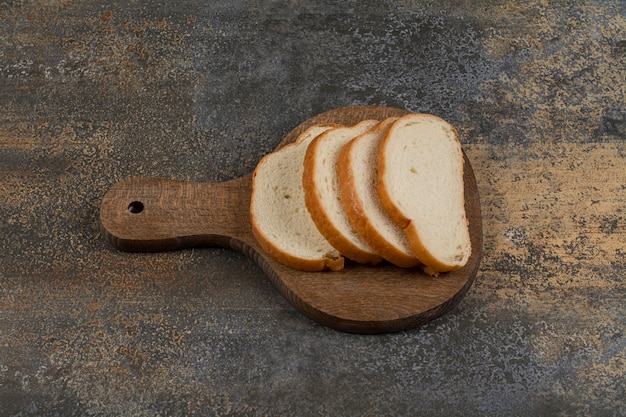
[{"x": 144, "y": 214}]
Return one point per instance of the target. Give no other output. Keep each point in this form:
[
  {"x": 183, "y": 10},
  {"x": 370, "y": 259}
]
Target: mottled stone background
[{"x": 94, "y": 92}]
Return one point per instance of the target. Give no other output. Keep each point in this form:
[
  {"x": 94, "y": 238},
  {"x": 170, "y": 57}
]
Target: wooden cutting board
[{"x": 150, "y": 214}]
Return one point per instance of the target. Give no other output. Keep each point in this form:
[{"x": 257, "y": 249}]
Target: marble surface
[{"x": 92, "y": 93}]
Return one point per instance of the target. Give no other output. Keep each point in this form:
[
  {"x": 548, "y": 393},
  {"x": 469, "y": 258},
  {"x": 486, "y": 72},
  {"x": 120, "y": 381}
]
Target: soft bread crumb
[
  {"x": 299, "y": 208},
  {"x": 323, "y": 199},
  {"x": 421, "y": 153},
  {"x": 357, "y": 169},
  {"x": 280, "y": 222}
]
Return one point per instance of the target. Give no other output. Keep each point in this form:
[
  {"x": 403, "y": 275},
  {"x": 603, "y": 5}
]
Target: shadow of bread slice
[
  {"x": 420, "y": 185},
  {"x": 280, "y": 221},
  {"x": 357, "y": 170},
  {"x": 323, "y": 196}
]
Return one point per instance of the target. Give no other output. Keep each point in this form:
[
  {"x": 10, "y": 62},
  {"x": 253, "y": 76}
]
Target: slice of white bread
[
  {"x": 323, "y": 195},
  {"x": 420, "y": 185},
  {"x": 357, "y": 170},
  {"x": 280, "y": 221}
]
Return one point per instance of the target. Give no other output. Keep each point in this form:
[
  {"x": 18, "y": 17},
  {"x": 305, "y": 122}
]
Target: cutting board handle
[{"x": 153, "y": 214}]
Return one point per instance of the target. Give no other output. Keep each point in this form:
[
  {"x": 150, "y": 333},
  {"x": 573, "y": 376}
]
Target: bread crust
[
  {"x": 353, "y": 206},
  {"x": 432, "y": 265},
  {"x": 324, "y": 224},
  {"x": 302, "y": 264},
  {"x": 328, "y": 262}
]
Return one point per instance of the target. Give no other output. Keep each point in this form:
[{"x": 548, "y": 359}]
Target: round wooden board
[
  {"x": 359, "y": 299},
  {"x": 382, "y": 298}
]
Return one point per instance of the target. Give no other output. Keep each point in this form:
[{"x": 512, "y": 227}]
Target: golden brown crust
[
  {"x": 354, "y": 209},
  {"x": 432, "y": 265},
  {"x": 321, "y": 220},
  {"x": 302, "y": 264},
  {"x": 385, "y": 199}
]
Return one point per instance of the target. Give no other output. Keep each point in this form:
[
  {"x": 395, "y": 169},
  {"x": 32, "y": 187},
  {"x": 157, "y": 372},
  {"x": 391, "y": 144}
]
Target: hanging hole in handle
[{"x": 135, "y": 207}]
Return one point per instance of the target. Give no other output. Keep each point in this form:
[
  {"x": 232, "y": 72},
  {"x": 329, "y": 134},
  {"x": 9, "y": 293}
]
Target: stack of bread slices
[{"x": 379, "y": 190}]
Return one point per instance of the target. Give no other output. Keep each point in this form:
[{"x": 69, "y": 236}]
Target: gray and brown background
[{"x": 93, "y": 92}]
